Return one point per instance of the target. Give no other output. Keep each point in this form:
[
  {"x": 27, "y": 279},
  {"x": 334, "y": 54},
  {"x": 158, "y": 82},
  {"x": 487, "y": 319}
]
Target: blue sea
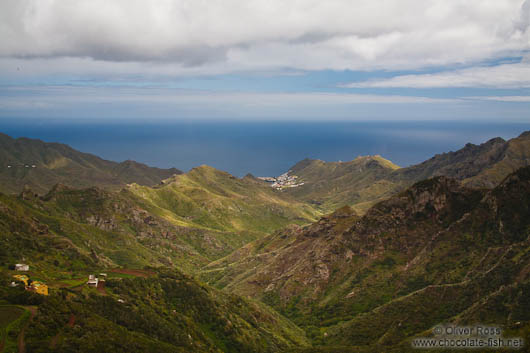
[{"x": 261, "y": 148}]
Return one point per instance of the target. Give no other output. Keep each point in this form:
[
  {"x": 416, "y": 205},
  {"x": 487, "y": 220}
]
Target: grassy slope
[
  {"x": 58, "y": 163},
  {"x": 71, "y": 231},
  {"x": 516, "y": 155},
  {"x": 11, "y": 319},
  {"x": 375, "y": 279},
  {"x": 189, "y": 221},
  {"x": 366, "y": 180},
  {"x": 238, "y": 210},
  {"x": 331, "y": 185},
  {"x": 165, "y": 312}
]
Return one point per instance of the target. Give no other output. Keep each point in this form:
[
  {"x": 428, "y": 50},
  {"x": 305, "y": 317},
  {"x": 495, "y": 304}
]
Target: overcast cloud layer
[
  {"x": 418, "y": 44},
  {"x": 310, "y": 34}
]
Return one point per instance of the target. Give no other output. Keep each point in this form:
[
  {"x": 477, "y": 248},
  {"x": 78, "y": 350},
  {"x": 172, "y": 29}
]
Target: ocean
[{"x": 261, "y": 148}]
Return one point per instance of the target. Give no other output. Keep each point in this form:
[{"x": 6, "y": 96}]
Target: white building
[
  {"x": 21, "y": 267},
  {"x": 92, "y": 281}
]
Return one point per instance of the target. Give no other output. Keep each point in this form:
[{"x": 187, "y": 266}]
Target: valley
[
  {"x": 360, "y": 256},
  {"x": 349, "y": 280}
]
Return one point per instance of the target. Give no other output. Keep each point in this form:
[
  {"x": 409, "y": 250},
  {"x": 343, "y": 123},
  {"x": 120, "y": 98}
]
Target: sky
[{"x": 346, "y": 60}]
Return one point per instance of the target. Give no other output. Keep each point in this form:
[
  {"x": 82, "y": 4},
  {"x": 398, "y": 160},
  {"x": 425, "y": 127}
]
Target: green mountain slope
[
  {"x": 209, "y": 198},
  {"x": 165, "y": 312},
  {"x": 359, "y": 279},
  {"x": 188, "y": 221},
  {"x": 362, "y": 182},
  {"x": 515, "y": 155},
  {"x": 57, "y": 163},
  {"x": 437, "y": 252},
  {"x": 330, "y": 185},
  {"x": 484, "y": 165},
  {"x": 184, "y": 223},
  {"x": 76, "y": 230}
]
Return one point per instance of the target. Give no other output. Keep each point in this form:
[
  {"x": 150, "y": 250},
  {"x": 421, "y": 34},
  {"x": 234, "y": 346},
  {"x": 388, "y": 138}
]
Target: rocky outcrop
[
  {"x": 462, "y": 164},
  {"x": 432, "y": 235}
]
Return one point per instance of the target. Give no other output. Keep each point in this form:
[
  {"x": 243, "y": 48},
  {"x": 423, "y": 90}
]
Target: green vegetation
[
  {"x": 360, "y": 279},
  {"x": 188, "y": 221},
  {"x": 12, "y": 318},
  {"x": 57, "y": 163},
  {"x": 9, "y": 314},
  {"x": 167, "y": 312},
  {"x": 330, "y": 185},
  {"x": 365, "y": 181},
  {"x": 237, "y": 210},
  {"x": 437, "y": 252}
]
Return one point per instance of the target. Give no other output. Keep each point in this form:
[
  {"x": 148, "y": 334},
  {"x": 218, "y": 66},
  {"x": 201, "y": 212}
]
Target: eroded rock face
[
  {"x": 440, "y": 199},
  {"x": 27, "y": 194},
  {"x": 462, "y": 164},
  {"x": 103, "y": 223},
  {"x": 337, "y": 250},
  {"x": 150, "y": 220}
]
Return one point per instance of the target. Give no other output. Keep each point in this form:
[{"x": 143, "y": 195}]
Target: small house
[
  {"x": 22, "y": 278},
  {"x": 21, "y": 267},
  {"x": 32, "y": 286},
  {"x": 92, "y": 281}
]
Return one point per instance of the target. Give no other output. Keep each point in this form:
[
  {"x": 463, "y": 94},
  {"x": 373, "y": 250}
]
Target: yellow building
[
  {"x": 22, "y": 278},
  {"x": 35, "y": 286},
  {"x": 39, "y": 287}
]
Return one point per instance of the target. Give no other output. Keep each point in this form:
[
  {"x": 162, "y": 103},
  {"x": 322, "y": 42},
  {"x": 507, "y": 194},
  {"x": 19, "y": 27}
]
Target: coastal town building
[{"x": 283, "y": 181}]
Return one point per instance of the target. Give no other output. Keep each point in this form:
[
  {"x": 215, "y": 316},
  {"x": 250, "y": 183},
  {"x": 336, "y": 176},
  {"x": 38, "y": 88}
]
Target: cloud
[
  {"x": 500, "y": 76},
  {"x": 100, "y": 104},
  {"x": 225, "y": 35},
  {"x": 53, "y": 96},
  {"x": 97, "y": 103},
  {"x": 521, "y": 99},
  {"x": 523, "y": 22}
]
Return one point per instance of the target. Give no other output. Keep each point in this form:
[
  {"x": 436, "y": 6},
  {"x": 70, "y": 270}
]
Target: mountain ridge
[
  {"x": 439, "y": 250},
  {"x": 365, "y": 180},
  {"x": 186, "y": 221},
  {"x": 40, "y": 165},
  {"x": 338, "y": 274}
]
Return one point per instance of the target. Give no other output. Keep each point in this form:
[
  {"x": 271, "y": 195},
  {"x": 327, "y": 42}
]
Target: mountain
[
  {"x": 209, "y": 198},
  {"x": 77, "y": 230},
  {"x": 330, "y": 185},
  {"x": 143, "y": 238},
  {"x": 41, "y": 165},
  {"x": 436, "y": 252},
  {"x": 447, "y": 249},
  {"x": 187, "y": 221},
  {"x": 482, "y": 166},
  {"x": 216, "y": 212},
  {"x": 161, "y": 311},
  {"x": 365, "y": 180}
]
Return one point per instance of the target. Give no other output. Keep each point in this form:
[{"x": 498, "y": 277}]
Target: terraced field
[{"x": 11, "y": 320}]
